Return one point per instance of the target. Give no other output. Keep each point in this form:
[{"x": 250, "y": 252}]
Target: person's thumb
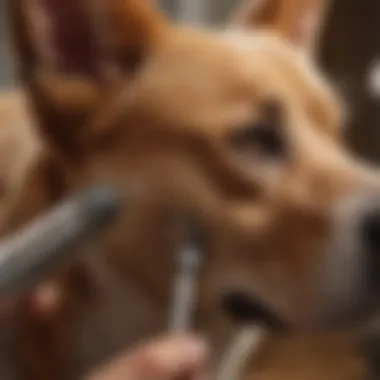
[{"x": 180, "y": 356}]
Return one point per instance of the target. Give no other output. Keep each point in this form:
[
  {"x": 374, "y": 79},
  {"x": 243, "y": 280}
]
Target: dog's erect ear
[
  {"x": 83, "y": 37},
  {"x": 298, "y": 20},
  {"x": 69, "y": 52}
]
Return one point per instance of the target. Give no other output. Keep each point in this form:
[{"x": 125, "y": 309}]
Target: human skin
[{"x": 168, "y": 358}]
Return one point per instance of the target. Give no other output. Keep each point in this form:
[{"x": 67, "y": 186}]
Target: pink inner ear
[{"x": 72, "y": 36}]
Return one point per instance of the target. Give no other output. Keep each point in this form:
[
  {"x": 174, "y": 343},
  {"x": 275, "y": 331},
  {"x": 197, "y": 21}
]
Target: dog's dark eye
[{"x": 263, "y": 136}]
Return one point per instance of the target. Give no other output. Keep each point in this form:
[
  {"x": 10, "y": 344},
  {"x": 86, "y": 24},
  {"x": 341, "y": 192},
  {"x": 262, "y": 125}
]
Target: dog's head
[{"x": 236, "y": 127}]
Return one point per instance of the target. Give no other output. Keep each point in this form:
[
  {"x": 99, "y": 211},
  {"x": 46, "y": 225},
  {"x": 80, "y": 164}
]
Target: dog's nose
[{"x": 371, "y": 233}]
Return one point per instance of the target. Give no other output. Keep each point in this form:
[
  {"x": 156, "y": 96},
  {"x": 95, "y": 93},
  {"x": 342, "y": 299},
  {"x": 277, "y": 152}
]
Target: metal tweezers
[{"x": 189, "y": 262}]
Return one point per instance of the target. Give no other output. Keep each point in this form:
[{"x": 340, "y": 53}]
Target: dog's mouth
[{"x": 244, "y": 309}]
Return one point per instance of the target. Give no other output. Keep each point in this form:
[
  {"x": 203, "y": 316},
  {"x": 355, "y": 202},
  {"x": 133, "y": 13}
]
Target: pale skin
[{"x": 169, "y": 358}]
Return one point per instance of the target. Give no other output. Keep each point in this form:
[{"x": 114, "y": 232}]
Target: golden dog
[{"x": 236, "y": 127}]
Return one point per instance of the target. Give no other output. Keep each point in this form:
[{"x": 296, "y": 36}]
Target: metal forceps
[{"x": 189, "y": 263}]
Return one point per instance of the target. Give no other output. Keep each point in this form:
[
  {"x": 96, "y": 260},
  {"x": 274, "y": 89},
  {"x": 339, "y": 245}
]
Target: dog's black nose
[
  {"x": 371, "y": 233},
  {"x": 244, "y": 309}
]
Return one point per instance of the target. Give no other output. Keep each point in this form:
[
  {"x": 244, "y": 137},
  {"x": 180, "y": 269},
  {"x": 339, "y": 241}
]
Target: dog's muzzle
[{"x": 349, "y": 277}]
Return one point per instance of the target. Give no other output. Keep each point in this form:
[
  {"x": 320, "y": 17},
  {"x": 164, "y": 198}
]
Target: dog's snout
[
  {"x": 371, "y": 233},
  {"x": 351, "y": 274},
  {"x": 371, "y": 237}
]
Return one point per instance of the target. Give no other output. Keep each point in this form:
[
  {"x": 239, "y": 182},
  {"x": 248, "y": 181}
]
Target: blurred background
[
  {"x": 6, "y": 73},
  {"x": 349, "y": 55}
]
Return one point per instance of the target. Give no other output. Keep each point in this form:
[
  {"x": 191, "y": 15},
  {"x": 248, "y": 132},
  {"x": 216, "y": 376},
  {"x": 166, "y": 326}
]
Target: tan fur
[
  {"x": 19, "y": 145},
  {"x": 153, "y": 105},
  {"x": 315, "y": 357}
]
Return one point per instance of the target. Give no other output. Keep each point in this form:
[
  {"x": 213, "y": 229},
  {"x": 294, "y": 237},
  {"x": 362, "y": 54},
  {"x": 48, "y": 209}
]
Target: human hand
[
  {"x": 43, "y": 299},
  {"x": 171, "y": 358}
]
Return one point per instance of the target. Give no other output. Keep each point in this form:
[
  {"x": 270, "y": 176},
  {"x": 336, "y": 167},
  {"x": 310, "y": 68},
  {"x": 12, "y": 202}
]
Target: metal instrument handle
[
  {"x": 29, "y": 253},
  {"x": 185, "y": 283}
]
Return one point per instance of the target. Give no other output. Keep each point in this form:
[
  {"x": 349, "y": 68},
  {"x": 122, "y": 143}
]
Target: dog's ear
[
  {"x": 70, "y": 52},
  {"x": 299, "y": 21}
]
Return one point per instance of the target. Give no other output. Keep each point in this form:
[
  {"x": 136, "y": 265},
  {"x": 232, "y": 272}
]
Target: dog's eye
[
  {"x": 264, "y": 136},
  {"x": 261, "y": 138}
]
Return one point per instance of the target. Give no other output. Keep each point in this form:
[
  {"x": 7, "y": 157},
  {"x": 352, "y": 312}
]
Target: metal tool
[
  {"x": 29, "y": 253},
  {"x": 245, "y": 345},
  {"x": 188, "y": 268}
]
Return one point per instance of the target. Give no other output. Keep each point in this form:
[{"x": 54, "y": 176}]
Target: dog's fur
[{"x": 121, "y": 96}]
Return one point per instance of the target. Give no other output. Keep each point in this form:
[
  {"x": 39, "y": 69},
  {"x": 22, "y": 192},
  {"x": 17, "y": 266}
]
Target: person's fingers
[
  {"x": 171, "y": 358},
  {"x": 45, "y": 299},
  {"x": 162, "y": 360},
  {"x": 42, "y": 301}
]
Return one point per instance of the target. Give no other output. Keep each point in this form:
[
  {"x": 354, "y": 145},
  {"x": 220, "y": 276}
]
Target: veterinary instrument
[
  {"x": 244, "y": 347},
  {"x": 26, "y": 255},
  {"x": 189, "y": 262}
]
